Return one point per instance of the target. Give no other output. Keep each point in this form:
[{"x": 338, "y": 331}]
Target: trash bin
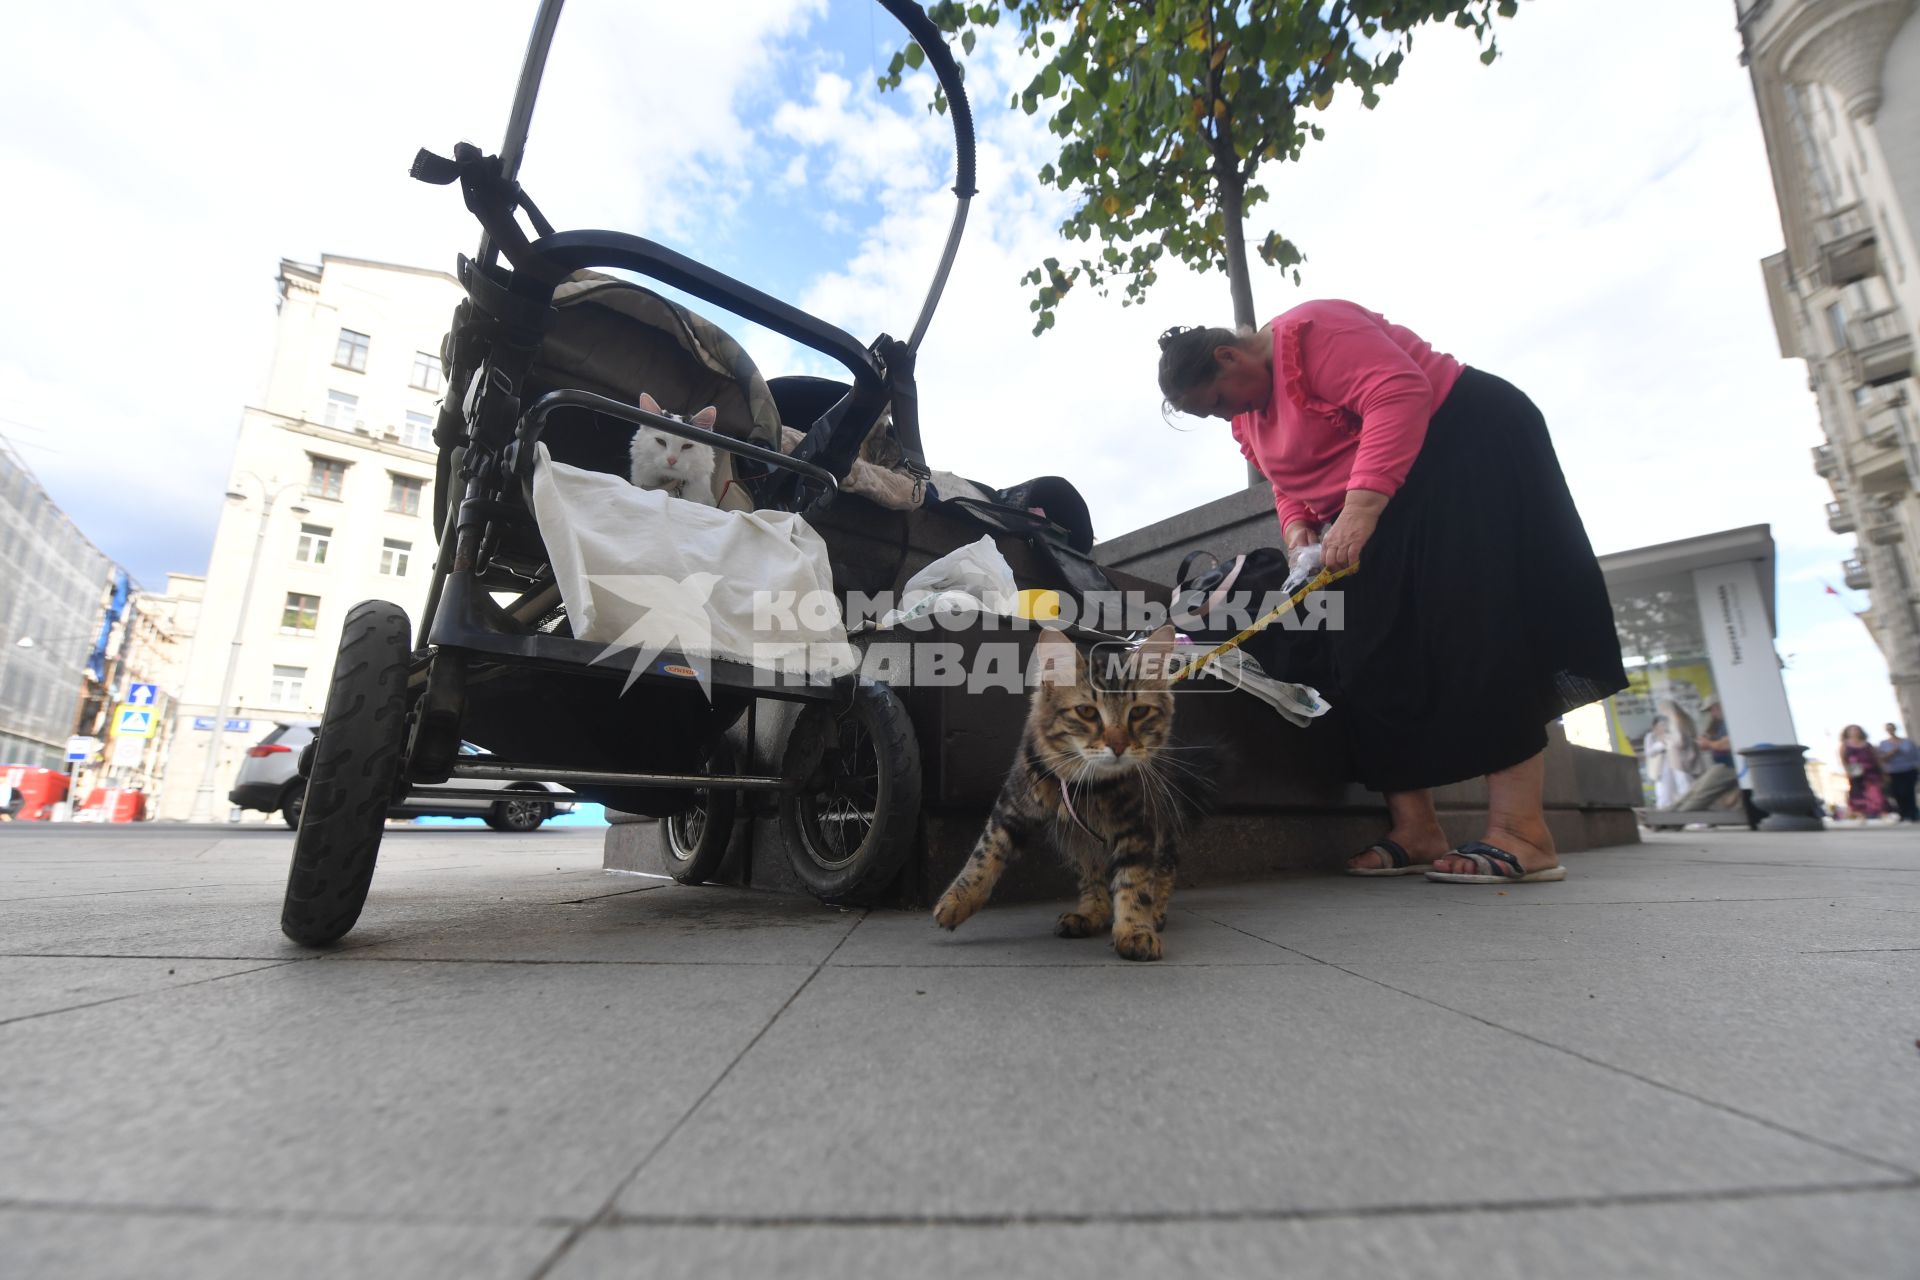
[{"x": 1779, "y": 774}]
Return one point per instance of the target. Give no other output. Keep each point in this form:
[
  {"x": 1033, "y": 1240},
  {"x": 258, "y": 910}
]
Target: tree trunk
[{"x": 1239, "y": 280}]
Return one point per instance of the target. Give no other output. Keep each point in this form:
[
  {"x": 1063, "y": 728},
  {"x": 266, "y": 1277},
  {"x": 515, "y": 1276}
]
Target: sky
[{"x": 1585, "y": 217}]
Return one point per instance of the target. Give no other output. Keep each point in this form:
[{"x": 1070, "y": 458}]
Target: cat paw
[
  {"x": 950, "y": 912},
  {"x": 1141, "y": 944},
  {"x": 1075, "y": 925}
]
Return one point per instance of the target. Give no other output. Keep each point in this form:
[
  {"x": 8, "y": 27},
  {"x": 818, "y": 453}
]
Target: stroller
[{"x": 494, "y": 660}]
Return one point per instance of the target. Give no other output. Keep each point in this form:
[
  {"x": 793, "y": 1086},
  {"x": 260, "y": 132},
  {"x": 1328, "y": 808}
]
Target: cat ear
[
  {"x": 705, "y": 418},
  {"x": 1160, "y": 657},
  {"x": 648, "y": 403},
  {"x": 1055, "y": 660}
]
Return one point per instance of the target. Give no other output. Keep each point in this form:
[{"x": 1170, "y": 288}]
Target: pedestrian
[
  {"x": 1866, "y": 778},
  {"x": 1720, "y": 779},
  {"x": 1685, "y": 762},
  {"x": 1901, "y": 759},
  {"x": 1654, "y": 762},
  {"x": 1478, "y": 615}
]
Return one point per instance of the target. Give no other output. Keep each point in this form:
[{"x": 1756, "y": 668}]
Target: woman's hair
[
  {"x": 1186, "y": 357},
  {"x": 1852, "y": 728}
]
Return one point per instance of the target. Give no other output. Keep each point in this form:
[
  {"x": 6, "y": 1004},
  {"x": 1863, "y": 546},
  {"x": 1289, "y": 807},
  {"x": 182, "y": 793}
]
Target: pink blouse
[{"x": 1352, "y": 396}]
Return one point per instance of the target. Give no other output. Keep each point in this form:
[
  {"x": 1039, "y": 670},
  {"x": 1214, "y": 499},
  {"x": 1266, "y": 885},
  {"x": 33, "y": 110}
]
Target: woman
[
  {"x": 1653, "y": 760},
  {"x": 1866, "y": 779},
  {"x": 1479, "y": 615},
  {"x": 1685, "y": 762}
]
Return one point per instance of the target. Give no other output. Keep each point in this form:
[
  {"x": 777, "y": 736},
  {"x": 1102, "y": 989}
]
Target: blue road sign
[
  {"x": 142, "y": 695},
  {"x": 132, "y": 722},
  {"x": 205, "y": 724}
]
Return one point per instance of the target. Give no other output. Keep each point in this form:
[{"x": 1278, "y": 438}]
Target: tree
[{"x": 1167, "y": 109}]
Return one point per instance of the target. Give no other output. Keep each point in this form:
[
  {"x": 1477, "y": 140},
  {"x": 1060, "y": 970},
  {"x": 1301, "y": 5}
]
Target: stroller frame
[{"x": 402, "y": 701}]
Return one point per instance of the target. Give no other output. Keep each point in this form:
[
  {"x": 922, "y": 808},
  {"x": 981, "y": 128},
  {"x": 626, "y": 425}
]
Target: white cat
[{"x": 683, "y": 468}]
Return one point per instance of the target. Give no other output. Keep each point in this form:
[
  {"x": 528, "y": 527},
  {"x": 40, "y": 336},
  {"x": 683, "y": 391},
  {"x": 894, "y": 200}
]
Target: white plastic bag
[
  {"x": 1299, "y": 704},
  {"x": 639, "y": 569},
  {"x": 975, "y": 576},
  {"x": 1303, "y": 562}
]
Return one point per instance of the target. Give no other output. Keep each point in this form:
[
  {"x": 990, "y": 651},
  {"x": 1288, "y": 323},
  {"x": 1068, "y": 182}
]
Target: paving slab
[
  {"x": 1820, "y": 1044},
  {"x": 1863, "y": 1235},
  {"x": 632, "y": 921},
  {"x": 31, "y": 986},
  {"x": 74, "y": 1245},
  {"x": 1022, "y": 934},
  {"x": 505, "y": 1093},
  {"x": 1142, "y": 1089},
  {"x": 1449, "y": 923},
  {"x": 221, "y": 918}
]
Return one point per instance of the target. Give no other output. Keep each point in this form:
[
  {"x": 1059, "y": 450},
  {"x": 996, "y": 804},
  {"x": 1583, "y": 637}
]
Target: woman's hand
[{"x": 1352, "y": 528}]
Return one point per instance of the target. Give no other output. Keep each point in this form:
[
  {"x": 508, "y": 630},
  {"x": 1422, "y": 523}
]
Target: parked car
[{"x": 273, "y": 777}]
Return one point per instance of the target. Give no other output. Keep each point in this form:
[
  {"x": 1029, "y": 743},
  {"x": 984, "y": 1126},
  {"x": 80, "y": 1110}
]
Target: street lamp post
[{"x": 203, "y": 798}]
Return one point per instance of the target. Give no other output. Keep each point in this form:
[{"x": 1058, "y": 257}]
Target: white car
[{"x": 273, "y": 777}]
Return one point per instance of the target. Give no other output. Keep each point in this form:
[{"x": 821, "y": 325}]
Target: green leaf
[
  {"x": 1488, "y": 54},
  {"x": 966, "y": 41},
  {"x": 915, "y": 56},
  {"x": 1050, "y": 81}
]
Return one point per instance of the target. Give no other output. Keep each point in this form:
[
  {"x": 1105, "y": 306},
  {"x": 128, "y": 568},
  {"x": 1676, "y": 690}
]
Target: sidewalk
[{"x": 1694, "y": 1058}]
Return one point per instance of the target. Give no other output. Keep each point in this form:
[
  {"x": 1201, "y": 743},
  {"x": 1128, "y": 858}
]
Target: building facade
[
  {"x": 53, "y": 583},
  {"x": 1837, "y": 83},
  {"x": 330, "y": 502}
]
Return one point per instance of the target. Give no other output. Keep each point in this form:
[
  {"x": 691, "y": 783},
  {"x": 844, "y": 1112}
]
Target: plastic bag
[
  {"x": 975, "y": 576},
  {"x": 1299, "y": 704},
  {"x": 1302, "y": 563}
]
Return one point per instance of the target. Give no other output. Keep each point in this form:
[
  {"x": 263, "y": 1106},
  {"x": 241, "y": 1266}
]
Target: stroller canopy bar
[{"x": 571, "y": 251}]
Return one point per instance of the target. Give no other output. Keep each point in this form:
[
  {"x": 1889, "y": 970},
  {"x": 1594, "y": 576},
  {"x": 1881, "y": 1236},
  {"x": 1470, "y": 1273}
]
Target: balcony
[
  {"x": 1879, "y": 460},
  {"x": 1854, "y": 574},
  {"x": 1826, "y": 461},
  {"x": 1849, "y": 248},
  {"x": 1883, "y": 527},
  {"x": 1839, "y": 519},
  {"x": 1880, "y": 347}
]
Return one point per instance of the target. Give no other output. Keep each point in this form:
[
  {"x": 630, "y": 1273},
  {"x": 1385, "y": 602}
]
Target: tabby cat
[{"x": 1096, "y": 778}]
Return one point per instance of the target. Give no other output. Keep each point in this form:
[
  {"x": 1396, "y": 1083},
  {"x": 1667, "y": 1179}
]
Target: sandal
[
  {"x": 1497, "y": 866},
  {"x": 1398, "y": 863}
]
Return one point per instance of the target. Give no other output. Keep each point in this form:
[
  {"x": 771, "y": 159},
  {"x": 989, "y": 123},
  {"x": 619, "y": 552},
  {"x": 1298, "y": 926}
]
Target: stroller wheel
[
  {"x": 697, "y": 838},
  {"x": 355, "y": 764},
  {"x": 851, "y": 826}
]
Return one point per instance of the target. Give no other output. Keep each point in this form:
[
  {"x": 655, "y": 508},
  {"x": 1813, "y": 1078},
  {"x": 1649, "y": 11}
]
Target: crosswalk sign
[{"x": 130, "y": 721}]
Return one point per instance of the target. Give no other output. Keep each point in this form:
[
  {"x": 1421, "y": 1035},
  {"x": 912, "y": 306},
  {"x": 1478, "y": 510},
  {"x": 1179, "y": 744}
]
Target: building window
[
  {"x": 393, "y": 557},
  {"x": 326, "y": 478},
  {"x": 289, "y": 686},
  {"x": 418, "y": 433},
  {"x": 313, "y": 544},
  {"x": 426, "y": 372},
  {"x": 405, "y": 498},
  {"x": 351, "y": 351},
  {"x": 301, "y": 615},
  {"x": 343, "y": 410},
  {"x": 1837, "y": 322}
]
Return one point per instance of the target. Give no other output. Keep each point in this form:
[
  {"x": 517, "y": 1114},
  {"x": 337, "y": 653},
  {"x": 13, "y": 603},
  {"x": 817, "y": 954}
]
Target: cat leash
[{"x": 1318, "y": 582}]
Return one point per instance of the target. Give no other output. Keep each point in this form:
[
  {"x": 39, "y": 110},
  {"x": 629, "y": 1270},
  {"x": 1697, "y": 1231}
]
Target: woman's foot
[
  {"x": 1533, "y": 848},
  {"x": 1421, "y": 846}
]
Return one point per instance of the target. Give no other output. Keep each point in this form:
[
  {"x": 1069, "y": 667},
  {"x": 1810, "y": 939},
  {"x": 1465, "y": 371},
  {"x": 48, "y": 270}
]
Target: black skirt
[{"x": 1478, "y": 615}]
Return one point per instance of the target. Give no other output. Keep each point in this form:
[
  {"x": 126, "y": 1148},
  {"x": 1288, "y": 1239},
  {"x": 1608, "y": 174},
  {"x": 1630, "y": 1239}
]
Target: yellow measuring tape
[{"x": 1313, "y": 584}]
